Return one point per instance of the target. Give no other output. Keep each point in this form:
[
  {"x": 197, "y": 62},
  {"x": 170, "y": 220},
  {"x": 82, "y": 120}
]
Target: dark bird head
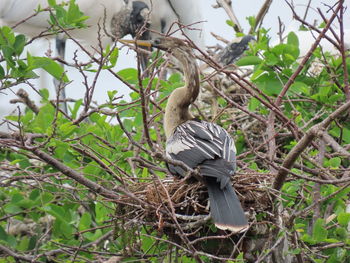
[
  {"x": 130, "y": 19},
  {"x": 233, "y": 51},
  {"x": 139, "y": 18}
]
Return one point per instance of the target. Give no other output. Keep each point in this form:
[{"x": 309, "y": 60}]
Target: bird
[
  {"x": 116, "y": 18},
  {"x": 200, "y": 144},
  {"x": 168, "y": 16},
  {"x": 120, "y": 19},
  {"x": 234, "y": 50}
]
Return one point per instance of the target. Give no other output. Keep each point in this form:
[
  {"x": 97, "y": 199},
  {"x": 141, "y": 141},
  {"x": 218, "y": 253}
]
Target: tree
[{"x": 92, "y": 185}]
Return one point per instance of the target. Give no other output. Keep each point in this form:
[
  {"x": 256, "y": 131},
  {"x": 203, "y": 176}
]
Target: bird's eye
[{"x": 157, "y": 41}]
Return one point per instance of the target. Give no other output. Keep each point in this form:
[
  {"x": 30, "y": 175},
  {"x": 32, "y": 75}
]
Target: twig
[
  {"x": 260, "y": 259},
  {"x": 342, "y": 51}
]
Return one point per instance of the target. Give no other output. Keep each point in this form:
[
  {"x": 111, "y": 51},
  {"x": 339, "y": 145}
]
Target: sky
[{"x": 215, "y": 21}]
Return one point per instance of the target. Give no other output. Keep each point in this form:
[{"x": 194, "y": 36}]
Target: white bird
[
  {"x": 164, "y": 14},
  {"x": 108, "y": 20},
  {"x": 122, "y": 17},
  {"x": 117, "y": 17},
  {"x": 14, "y": 11}
]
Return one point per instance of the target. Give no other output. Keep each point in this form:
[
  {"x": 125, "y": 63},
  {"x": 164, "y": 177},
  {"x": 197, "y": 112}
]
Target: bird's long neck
[{"x": 177, "y": 108}]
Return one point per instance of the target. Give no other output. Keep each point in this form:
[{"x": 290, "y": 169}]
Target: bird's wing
[{"x": 202, "y": 144}]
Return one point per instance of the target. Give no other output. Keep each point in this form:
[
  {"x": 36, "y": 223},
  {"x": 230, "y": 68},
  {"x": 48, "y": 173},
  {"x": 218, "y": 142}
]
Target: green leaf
[
  {"x": 57, "y": 211},
  {"x": 230, "y": 23},
  {"x": 45, "y": 94},
  {"x": 111, "y": 94},
  {"x": 319, "y": 232},
  {"x": 254, "y": 103},
  {"x": 85, "y": 221},
  {"x": 67, "y": 129},
  {"x": 129, "y": 75},
  {"x": 252, "y": 21},
  {"x": 62, "y": 228},
  {"x": 343, "y": 219},
  {"x": 44, "y": 118},
  {"x": 12, "y": 209},
  {"x": 8, "y": 51},
  {"x": 50, "y": 66},
  {"x": 52, "y": 3},
  {"x": 300, "y": 88},
  {"x": 249, "y": 60},
  {"x": 7, "y": 37},
  {"x": 23, "y": 244},
  {"x": 3, "y": 234},
  {"x": 76, "y": 107},
  {"x": 334, "y": 162},
  {"x": 292, "y": 39},
  {"x": 271, "y": 59},
  {"x": 346, "y": 135},
  {"x": 147, "y": 243},
  {"x": 19, "y": 44},
  {"x": 2, "y": 72},
  {"x": 114, "y": 56}
]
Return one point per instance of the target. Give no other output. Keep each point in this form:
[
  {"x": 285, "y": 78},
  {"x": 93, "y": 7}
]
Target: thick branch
[
  {"x": 15, "y": 255},
  {"x": 316, "y": 130}
]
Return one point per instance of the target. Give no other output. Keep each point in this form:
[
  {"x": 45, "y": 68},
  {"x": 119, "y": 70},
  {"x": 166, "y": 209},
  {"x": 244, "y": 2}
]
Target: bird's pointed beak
[{"x": 142, "y": 43}]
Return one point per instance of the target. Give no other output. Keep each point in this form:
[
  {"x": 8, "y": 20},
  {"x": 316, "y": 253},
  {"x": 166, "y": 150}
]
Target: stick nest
[{"x": 175, "y": 202}]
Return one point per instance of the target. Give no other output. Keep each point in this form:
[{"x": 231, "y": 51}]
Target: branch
[
  {"x": 335, "y": 146},
  {"x": 24, "y": 98},
  {"x": 228, "y": 9},
  {"x": 260, "y": 16},
  {"x": 15, "y": 255},
  {"x": 316, "y": 130}
]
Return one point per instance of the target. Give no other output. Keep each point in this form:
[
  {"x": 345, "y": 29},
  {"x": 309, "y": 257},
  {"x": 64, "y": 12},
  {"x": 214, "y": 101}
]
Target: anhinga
[{"x": 199, "y": 143}]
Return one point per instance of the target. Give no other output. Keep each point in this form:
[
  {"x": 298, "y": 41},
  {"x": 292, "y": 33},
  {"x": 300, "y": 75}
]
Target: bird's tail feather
[{"x": 225, "y": 207}]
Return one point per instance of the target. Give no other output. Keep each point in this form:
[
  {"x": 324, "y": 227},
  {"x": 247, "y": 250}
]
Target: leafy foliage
[{"x": 67, "y": 180}]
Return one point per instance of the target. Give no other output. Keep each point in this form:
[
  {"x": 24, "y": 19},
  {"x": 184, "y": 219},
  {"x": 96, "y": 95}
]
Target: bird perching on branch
[{"x": 200, "y": 144}]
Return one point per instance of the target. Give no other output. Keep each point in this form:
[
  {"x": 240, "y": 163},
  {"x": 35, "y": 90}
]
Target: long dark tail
[{"x": 225, "y": 207}]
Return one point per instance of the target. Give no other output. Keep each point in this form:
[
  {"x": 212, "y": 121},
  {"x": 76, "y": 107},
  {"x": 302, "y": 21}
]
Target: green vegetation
[{"x": 70, "y": 186}]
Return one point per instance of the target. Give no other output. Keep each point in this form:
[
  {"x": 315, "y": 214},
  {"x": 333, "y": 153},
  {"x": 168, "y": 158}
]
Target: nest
[{"x": 178, "y": 206}]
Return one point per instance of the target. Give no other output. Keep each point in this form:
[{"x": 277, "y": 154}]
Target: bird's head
[{"x": 139, "y": 17}]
